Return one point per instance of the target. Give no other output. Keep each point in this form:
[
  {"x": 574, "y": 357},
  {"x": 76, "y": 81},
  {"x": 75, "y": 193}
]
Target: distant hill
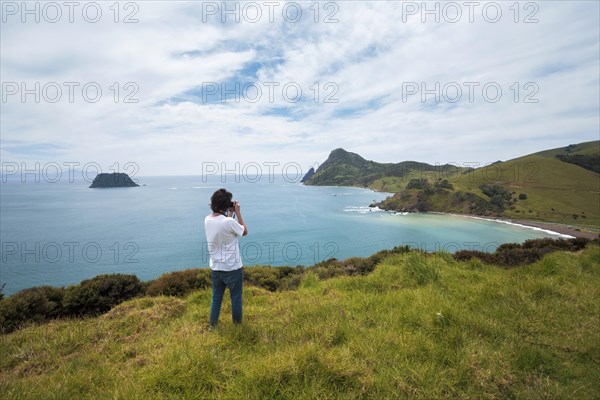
[
  {"x": 558, "y": 185},
  {"x": 343, "y": 168}
]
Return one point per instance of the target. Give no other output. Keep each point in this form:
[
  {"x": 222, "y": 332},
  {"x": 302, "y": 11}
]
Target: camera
[{"x": 231, "y": 204}]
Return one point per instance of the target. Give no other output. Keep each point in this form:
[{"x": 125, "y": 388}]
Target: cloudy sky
[{"x": 172, "y": 85}]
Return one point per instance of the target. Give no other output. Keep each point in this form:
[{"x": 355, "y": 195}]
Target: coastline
[
  {"x": 555, "y": 228},
  {"x": 564, "y": 231}
]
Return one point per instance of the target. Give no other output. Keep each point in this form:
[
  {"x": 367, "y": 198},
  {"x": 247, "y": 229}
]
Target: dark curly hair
[{"x": 220, "y": 201}]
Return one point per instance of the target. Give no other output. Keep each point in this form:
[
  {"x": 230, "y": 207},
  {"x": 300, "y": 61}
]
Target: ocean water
[{"x": 61, "y": 233}]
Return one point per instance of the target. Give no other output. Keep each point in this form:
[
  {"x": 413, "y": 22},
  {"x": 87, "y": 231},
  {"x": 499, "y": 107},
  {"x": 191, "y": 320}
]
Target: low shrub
[
  {"x": 520, "y": 256},
  {"x": 571, "y": 244},
  {"x": 466, "y": 255},
  {"x": 291, "y": 282},
  {"x": 358, "y": 265},
  {"x": 290, "y": 277},
  {"x": 35, "y": 304},
  {"x": 380, "y": 255},
  {"x": 443, "y": 184},
  {"x": 350, "y": 266},
  {"x": 530, "y": 251},
  {"x": 354, "y": 265},
  {"x": 588, "y": 161},
  {"x": 264, "y": 277},
  {"x": 274, "y": 278},
  {"x": 418, "y": 184},
  {"x": 100, "y": 294},
  {"x": 179, "y": 283}
]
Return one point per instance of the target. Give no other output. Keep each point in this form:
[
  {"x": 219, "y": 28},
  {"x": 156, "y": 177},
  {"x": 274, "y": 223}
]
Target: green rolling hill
[
  {"x": 343, "y": 168},
  {"x": 418, "y": 327},
  {"x": 560, "y": 185}
]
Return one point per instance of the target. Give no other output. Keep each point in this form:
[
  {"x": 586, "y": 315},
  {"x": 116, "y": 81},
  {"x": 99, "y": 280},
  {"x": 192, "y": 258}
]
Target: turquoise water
[{"x": 61, "y": 233}]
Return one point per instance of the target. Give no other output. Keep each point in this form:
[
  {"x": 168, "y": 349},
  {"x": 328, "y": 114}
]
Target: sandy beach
[
  {"x": 560, "y": 228},
  {"x": 563, "y": 229}
]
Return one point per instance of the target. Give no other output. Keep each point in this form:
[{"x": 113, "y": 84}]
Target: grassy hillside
[
  {"x": 559, "y": 185},
  {"x": 343, "y": 168},
  {"x": 556, "y": 191},
  {"x": 419, "y": 327}
]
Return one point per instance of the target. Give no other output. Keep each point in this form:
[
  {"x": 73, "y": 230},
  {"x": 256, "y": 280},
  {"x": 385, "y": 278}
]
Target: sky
[{"x": 186, "y": 88}]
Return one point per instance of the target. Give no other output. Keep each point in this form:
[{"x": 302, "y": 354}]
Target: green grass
[
  {"x": 556, "y": 191},
  {"x": 418, "y": 327}
]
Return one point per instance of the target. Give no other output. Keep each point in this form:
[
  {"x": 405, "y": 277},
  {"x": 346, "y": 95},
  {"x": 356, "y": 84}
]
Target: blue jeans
[{"x": 226, "y": 279}]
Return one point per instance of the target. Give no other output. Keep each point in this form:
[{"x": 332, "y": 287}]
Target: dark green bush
[
  {"x": 497, "y": 194},
  {"x": 290, "y": 277},
  {"x": 329, "y": 268},
  {"x": 522, "y": 196},
  {"x": 466, "y": 255},
  {"x": 443, "y": 184},
  {"x": 291, "y": 282},
  {"x": 264, "y": 277},
  {"x": 495, "y": 189},
  {"x": 588, "y": 161},
  {"x": 571, "y": 244},
  {"x": 274, "y": 278},
  {"x": 530, "y": 251},
  {"x": 380, "y": 255},
  {"x": 358, "y": 265},
  {"x": 520, "y": 256},
  {"x": 100, "y": 294},
  {"x": 179, "y": 283},
  {"x": 422, "y": 183},
  {"x": 34, "y": 304},
  {"x": 351, "y": 266}
]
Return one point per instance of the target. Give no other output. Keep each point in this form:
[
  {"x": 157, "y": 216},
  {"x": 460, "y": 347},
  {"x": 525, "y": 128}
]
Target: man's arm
[{"x": 238, "y": 213}]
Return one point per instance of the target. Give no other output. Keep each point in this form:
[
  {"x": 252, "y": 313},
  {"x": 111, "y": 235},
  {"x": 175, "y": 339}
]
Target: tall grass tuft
[{"x": 420, "y": 269}]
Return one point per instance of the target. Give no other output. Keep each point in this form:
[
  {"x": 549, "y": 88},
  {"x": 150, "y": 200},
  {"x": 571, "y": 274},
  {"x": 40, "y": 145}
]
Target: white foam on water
[
  {"x": 400, "y": 212},
  {"x": 362, "y": 209}
]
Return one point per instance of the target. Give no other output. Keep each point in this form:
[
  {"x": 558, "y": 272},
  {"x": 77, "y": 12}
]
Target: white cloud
[{"x": 370, "y": 54}]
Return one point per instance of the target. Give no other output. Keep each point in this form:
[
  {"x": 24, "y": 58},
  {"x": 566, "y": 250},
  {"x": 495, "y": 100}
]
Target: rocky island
[{"x": 115, "y": 179}]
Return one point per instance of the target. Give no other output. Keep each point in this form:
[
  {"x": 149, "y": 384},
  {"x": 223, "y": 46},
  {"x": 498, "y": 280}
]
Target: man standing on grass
[{"x": 222, "y": 232}]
